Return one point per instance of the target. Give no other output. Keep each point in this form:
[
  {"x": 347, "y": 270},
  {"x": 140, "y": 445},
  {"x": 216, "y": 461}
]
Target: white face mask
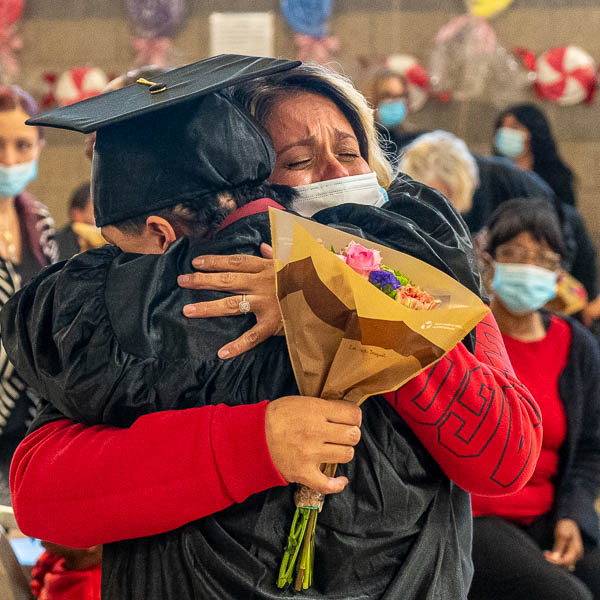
[{"x": 356, "y": 189}]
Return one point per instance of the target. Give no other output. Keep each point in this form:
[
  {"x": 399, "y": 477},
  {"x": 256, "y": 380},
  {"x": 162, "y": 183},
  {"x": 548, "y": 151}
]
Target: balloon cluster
[
  {"x": 308, "y": 18},
  {"x": 565, "y": 74},
  {"x": 154, "y": 22},
  {"x": 79, "y": 83},
  {"x": 467, "y": 63}
]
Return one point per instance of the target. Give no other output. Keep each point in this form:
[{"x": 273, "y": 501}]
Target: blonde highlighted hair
[
  {"x": 260, "y": 95},
  {"x": 441, "y": 156}
]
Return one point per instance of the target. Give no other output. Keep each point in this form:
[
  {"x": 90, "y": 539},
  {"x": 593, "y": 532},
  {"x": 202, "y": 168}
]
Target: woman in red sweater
[{"x": 542, "y": 542}]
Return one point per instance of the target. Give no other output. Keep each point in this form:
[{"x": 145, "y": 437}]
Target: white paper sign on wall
[{"x": 249, "y": 33}]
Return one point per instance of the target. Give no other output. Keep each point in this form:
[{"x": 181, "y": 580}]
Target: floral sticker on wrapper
[{"x": 358, "y": 322}]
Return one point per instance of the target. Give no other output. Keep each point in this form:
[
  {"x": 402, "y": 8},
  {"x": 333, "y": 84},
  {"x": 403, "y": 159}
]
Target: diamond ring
[{"x": 244, "y": 305}]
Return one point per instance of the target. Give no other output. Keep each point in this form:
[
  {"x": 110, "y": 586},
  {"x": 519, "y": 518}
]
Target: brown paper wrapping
[{"x": 346, "y": 338}]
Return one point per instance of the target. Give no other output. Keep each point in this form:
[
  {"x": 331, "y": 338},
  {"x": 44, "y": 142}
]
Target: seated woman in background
[
  {"x": 522, "y": 133},
  {"x": 442, "y": 161},
  {"x": 542, "y": 542},
  {"x": 389, "y": 96},
  {"x": 26, "y": 228},
  {"x": 26, "y": 245},
  {"x": 476, "y": 185}
]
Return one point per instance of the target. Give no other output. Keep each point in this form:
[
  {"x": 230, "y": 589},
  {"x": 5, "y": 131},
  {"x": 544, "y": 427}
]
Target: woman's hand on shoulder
[{"x": 243, "y": 275}]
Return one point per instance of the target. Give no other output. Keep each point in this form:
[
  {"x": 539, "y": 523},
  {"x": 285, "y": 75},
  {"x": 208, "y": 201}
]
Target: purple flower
[{"x": 385, "y": 281}]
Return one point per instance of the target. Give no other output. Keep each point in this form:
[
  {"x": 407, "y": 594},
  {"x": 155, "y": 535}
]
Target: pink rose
[
  {"x": 341, "y": 257},
  {"x": 362, "y": 260}
]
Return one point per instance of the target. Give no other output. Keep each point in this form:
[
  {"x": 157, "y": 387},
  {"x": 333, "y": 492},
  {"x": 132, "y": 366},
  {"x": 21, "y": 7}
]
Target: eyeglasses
[{"x": 518, "y": 254}]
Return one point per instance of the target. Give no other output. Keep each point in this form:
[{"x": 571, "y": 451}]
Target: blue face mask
[
  {"x": 509, "y": 142},
  {"x": 392, "y": 113},
  {"x": 13, "y": 179},
  {"x": 523, "y": 288},
  {"x": 383, "y": 194}
]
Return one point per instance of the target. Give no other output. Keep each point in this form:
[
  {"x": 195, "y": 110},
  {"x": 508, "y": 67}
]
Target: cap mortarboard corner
[
  {"x": 182, "y": 84},
  {"x": 179, "y": 139}
]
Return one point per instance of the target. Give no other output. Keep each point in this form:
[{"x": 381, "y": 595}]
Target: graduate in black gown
[{"x": 103, "y": 338}]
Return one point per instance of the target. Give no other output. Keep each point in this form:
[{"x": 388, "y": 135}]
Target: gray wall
[{"x": 65, "y": 33}]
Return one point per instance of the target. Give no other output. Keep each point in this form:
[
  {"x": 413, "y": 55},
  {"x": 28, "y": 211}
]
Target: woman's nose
[
  {"x": 333, "y": 169},
  {"x": 8, "y": 156}
]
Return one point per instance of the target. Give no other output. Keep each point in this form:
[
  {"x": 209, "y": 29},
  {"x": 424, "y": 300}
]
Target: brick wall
[{"x": 65, "y": 33}]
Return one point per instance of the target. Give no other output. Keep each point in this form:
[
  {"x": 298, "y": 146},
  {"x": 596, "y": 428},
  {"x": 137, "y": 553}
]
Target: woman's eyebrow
[
  {"x": 308, "y": 141},
  {"x": 343, "y": 135}
]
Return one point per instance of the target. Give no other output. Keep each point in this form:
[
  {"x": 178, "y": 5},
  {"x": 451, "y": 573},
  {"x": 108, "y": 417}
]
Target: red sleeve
[
  {"x": 80, "y": 486},
  {"x": 475, "y": 418}
]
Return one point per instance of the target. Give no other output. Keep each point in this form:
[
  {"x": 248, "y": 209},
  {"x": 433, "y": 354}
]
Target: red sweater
[
  {"x": 537, "y": 497},
  {"x": 80, "y": 486}
]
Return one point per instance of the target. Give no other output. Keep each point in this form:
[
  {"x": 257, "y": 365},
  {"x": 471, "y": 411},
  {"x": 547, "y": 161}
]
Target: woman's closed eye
[
  {"x": 349, "y": 156},
  {"x": 298, "y": 163}
]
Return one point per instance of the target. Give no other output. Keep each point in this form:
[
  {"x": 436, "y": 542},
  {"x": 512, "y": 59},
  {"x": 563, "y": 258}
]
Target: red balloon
[{"x": 10, "y": 11}]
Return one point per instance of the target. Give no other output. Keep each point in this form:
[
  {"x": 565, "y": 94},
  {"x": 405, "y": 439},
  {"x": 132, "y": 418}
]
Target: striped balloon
[{"x": 566, "y": 75}]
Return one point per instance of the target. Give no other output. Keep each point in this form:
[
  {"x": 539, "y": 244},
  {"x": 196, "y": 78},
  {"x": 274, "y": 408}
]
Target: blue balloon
[{"x": 307, "y": 16}]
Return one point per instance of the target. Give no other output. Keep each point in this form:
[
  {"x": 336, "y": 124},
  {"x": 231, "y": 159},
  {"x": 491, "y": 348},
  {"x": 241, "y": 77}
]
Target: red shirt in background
[
  {"x": 538, "y": 366},
  {"x": 52, "y": 581}
]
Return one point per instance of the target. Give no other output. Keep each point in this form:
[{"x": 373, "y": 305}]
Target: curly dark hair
[{"x": 202, "y": 219}]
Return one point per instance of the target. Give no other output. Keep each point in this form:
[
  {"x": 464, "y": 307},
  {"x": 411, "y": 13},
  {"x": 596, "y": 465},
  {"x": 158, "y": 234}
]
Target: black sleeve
[
  {"x": 103, "y": 340},
  {"x": 578, "y": 490},
  {"x": 500, "y": 180},
  {"x": 50, "y": 330},
  {"x": 584, "y": 261},
  {"x": 45, "y": 413}
]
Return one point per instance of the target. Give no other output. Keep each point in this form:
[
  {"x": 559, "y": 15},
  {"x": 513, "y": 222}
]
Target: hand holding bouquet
[{"x": 359, "y": 321}]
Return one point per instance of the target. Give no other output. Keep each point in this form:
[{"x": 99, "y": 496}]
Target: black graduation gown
[{"x": 400, "y": 530}]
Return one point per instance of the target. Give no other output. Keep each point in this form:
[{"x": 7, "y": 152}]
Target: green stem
[
  {"x": 301, "y": 543},
  {"x": 304, "y": 577},
  {"x": 297, "y": 531}
]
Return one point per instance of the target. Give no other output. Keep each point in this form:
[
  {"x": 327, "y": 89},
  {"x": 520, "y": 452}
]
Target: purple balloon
[{"x": 155, "y": 18}]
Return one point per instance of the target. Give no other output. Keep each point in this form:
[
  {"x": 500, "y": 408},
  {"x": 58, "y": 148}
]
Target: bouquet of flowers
[
  {"x": 367, "y": 262},
  {"x": 359, "y": 321}
]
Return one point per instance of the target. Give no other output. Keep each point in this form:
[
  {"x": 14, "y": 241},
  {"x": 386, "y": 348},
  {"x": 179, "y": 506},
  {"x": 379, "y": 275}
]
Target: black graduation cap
[{"x": 175, "y": 139}]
